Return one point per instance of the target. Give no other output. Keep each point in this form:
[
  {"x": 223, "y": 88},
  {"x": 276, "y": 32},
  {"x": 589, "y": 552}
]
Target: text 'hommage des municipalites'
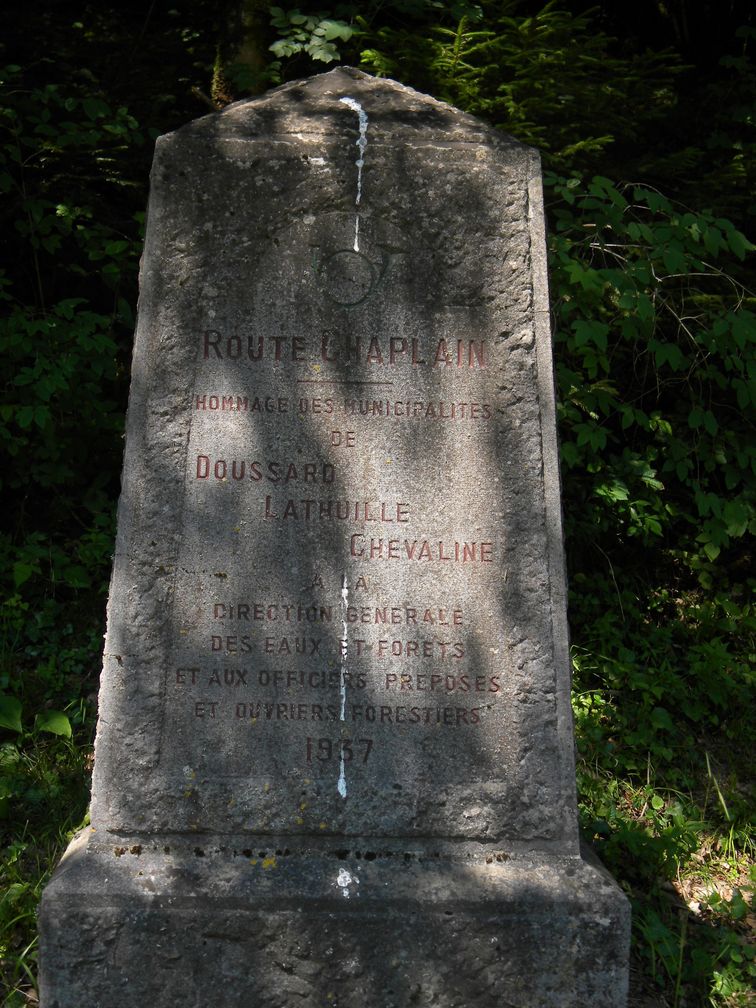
[{"x": 346, "y": 349}]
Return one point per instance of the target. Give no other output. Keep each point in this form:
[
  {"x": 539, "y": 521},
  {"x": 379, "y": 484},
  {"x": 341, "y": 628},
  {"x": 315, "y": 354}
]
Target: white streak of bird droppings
[
  {"x": 342, "y": 786},
  {"x": 362, "y": 118},
  {"x": 344, "y": 880}
]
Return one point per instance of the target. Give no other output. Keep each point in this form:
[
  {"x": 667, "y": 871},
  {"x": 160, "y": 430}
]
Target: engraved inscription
[{"x": 348, "y": 349}]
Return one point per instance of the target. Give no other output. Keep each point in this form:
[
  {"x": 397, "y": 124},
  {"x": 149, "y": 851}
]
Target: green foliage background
[{"x": 644, "y": 115}]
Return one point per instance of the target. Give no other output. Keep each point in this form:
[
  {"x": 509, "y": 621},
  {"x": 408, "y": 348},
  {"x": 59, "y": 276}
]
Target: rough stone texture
[
  {"x": 334, "y": 762},
  {"x": 282, "y": 930},
  {"x": 252, "y": 240}
]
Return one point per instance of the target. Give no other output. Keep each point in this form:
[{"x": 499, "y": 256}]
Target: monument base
[{"x": 174, "y": 925}]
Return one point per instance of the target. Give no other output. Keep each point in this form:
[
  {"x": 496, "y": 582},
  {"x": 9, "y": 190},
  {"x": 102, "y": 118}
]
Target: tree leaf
[
  {"x": 335, "y": 29},
  {"x": 660, "y": 718},
  {"x": 22, "y": 572},
  {"x": 10, "y": 713},
  {"x": 53, "y": 721}
]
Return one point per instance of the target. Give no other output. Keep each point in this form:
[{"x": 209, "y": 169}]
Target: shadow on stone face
[{"x": 335, "y": 421}]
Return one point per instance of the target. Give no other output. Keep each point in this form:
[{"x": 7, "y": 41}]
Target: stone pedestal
[{"x": 376, "y": 928}]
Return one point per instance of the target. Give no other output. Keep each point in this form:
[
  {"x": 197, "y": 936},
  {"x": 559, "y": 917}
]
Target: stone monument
[{"x": 334, "y": 763}]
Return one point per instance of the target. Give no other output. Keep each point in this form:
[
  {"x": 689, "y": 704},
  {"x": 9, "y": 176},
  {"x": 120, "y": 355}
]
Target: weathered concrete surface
[
  {"x": 337, "y": 616},
  {"x": 186, "y": 928},
  {"x": 251, "y": 255}
]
